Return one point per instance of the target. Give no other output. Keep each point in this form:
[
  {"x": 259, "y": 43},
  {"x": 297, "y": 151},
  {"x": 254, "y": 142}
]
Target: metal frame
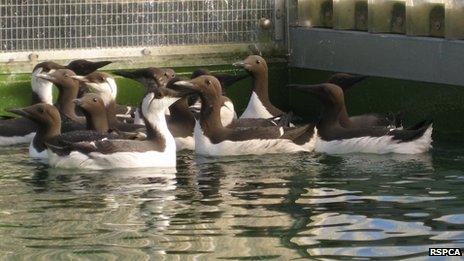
[
  {"x": 385, "y": 55},
  {"x": 33, "y": 31}
]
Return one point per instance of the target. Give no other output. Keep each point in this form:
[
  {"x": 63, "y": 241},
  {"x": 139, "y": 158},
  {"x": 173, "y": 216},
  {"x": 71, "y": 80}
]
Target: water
[{"x": 259, "y": 207}]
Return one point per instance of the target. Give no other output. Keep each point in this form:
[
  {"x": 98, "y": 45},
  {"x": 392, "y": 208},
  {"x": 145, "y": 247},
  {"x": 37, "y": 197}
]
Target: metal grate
[{"x": 31, "y": 25}]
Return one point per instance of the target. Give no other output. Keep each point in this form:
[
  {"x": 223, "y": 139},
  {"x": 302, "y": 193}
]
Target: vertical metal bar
[{"x": 279, "y": 16}]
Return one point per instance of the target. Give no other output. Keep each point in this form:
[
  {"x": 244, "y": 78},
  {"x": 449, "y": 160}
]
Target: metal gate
[{"x": 34, "y": 30}]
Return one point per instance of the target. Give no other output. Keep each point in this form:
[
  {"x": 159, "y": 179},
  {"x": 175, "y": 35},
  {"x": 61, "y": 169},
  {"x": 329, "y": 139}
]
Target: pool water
[{"x": 236, "y": 208}]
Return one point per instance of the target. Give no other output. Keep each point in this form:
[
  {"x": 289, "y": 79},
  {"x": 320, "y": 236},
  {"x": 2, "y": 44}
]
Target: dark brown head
[
  {"x": 101, "y": 83},
  {"x": 91, "y": 103},
  {"x": 41, "y": 113},
  {"x": 147, "y": 76},
  {"x": 46, "y": 67},
  {"x": 199, "y": 72},
  {"x": 84, "y": 67},
  {"x": 157, "y": 100},
  {"x": 60, "y": 77},
  {"x": 345, "y": 80},
  {"x": 253, "y": 64},
  {"x": 94, "y": 109},
  {"x": 169, "y": 73},
  {"x": 207, "y": 86},
  {"x": 329, "y": 94}
]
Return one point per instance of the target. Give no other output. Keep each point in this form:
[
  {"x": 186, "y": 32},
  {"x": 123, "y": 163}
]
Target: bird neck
[
  {"x": 331, "y": 116},
  {"x": 345, "y": 118},
  {"x": 210, "y": 114},
  {"x": 65, "y": 102},
  {"x": 260, "y": 87},
  {"x": 41, "y": 91},
  {"x": 157, "y": 128},
  {"x": 180, "y": 110},
  {"x": 44, "y": 133},
  {"x": 96, "y": 121},
  {"x": 111, "y": 113}
]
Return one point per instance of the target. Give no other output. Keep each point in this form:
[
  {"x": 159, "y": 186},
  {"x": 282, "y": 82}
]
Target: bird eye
[
  {"x": 258, "y": 61},
  {"x": 166, "y": 74},
  {"x": 40, "y": 110},
  {"x": 95, "y": 100},
  {"x": 208, "y": 82}
]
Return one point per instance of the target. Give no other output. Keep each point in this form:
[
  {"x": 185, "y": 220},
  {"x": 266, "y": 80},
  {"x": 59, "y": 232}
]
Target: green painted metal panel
[
  {"x": 15, "y": 89},
  {"x": 419, "y": 100}
]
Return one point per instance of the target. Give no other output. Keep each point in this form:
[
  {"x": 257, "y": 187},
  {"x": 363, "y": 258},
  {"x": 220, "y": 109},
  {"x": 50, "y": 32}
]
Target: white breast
[
  {"x": 377, "y": 145},
  {"x": 228, "y": 113},
  {"x": 204, "y": 146},
  {"x": 33, "y": 153},
  {"x": 43, "y": 88},
  {"x": 137, "y": 118},
  {"x": 185, "y": 143},
  {"x": 8, "y": 141},
  {"x": 118, "y": 160},
  {"x": 256, "y": 109}
]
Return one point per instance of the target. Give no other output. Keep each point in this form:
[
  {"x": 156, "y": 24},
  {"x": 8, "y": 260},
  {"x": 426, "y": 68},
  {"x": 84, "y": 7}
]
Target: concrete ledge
[
  {"x": 137, "y": 57},
  {"x": 385, "y": 55}
]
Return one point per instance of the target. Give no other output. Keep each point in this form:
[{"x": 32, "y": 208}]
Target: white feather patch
[
  {"x": 42, "y": 87},
  {"x": 185, "y": 143},
  {"x": 8, "y": 141},
  {"x": 256, "y": 109},
  {"x": 204, "y": 146},
  {"x": 377, "y": 145},
  {"x": 138, "y": 118},
  {"x": 118, "y": 160},
  {"x": 33, "y": 153},
  {"x": 228, "y": 113},
  {"x": 153, "y": 109}
]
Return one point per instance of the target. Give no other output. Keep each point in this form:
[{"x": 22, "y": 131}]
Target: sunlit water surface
[{"x": 253, "y": 207}]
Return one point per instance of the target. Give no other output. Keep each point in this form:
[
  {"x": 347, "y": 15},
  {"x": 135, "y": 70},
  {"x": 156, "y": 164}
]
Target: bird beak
[
  {"x": 78, "y": 78},
  {"x": 78, "y": 102},
  {"x": 185, "y": 87},
  {"x": 240, "y": 64},
  {"x": 305, "y": 88},
  {"x": 21, "y": 112},
  {"x": 45, "y": 76},
  {"x": 125, "y": 74},
  {"x": 98, "y": 65}
]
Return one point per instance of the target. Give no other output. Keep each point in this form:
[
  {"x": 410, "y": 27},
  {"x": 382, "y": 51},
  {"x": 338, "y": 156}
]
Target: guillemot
[
  {"x": 22, "y": 130},
  {"x": 158, "y": 150},
  {"x": 180, "y": 120},
  {"x": 259, "y": 105},
  {"x": 212, "y": 138},
  {"x": 68, "y": 90},
  {"x": 42, "y": 89},
  {"x": 48, "y": 119},
  {"x": 225, "y": 79},
  {"x": 104, "y": 85},
  {"x": 94, "y": 109},
  {"x": 228, "y": 114},
  {"x": 148, "y": 77},
  {"x": 333, "y": 138},
  {"x": 346, "y": 81}
]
